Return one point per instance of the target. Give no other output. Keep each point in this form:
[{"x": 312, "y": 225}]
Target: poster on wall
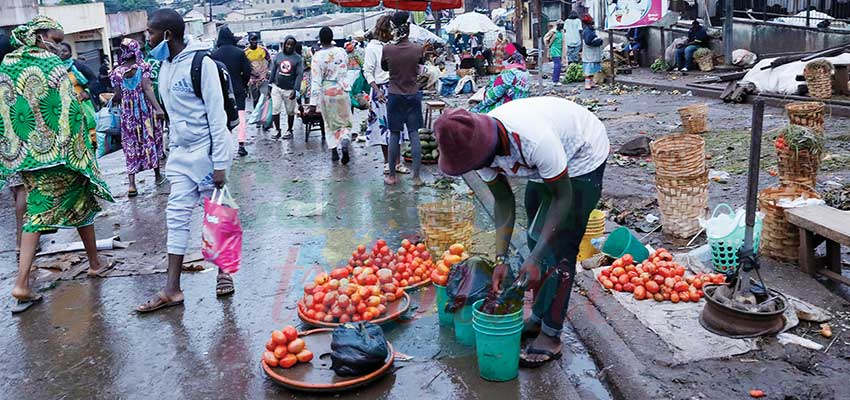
[{"x": 624, "y": 14}]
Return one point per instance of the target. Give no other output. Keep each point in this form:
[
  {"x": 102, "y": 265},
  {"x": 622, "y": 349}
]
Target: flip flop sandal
[
  {"x": 101, "y": 273},
  {"x": 132, "y": 193},
  {"x": 536, "y": 364},
  {"x": 160, "y": 181},
  {"x": 224, "y": 285},
  {"x": 161, "y": 302},
  {"x": 23, "y": 305}
]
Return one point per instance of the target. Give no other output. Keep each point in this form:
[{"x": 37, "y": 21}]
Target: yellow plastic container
[{"x": 595, "y": 228}]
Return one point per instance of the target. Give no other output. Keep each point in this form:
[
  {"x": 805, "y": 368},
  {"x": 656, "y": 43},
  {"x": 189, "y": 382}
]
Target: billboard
[{"x": 624, "y": 14}]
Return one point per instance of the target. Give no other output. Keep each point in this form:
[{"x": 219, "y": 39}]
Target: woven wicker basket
[
  {"x": 679, "y": 156},
  {"x": 797, "y": 167},
  {"x": 445, "y": 223},
  {"x": 682, "y": 204},
  {"x": 780, "y": 239},
  {"x": 705, "y": 63},
  {"x": 818, "y": 76},
  {"x": 806, "y": 113},
  {"x": 694, "y": 118}
]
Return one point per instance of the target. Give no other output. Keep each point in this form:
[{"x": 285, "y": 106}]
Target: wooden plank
[
  {"x": 835, "y": 277},
  {"x": 808, "y": 261},
  {"x": 840, "y": 80},
  {"x": 833, "y": 256},
  {"x": 823, "y": 220}
]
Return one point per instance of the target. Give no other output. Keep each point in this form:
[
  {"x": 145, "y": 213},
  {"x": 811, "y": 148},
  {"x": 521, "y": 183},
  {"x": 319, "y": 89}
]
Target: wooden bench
[{"x": 820, "y": 224}]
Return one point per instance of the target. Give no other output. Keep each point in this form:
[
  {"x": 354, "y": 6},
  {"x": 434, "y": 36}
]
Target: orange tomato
[
  {"x": 288, "y": 361},
  {"x": 270, "y": 345},
  {"x": 295, "y": 346},
  {"x": 304, "y": 356},
  {"x": 270, "y": 360},
  {"x": 280, "y": 351},
  {"x": 290, "y": 332},
  {"x": 279, "y": 338},
  {"x": 456, "y": 249}
]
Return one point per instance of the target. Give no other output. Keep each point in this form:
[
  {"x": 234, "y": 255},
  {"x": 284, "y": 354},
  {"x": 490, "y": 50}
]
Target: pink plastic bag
[{"x": 221, "y": 239}]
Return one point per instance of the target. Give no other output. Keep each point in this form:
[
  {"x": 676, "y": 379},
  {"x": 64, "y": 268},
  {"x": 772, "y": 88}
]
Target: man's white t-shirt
[{"x": 548, "y": 137}]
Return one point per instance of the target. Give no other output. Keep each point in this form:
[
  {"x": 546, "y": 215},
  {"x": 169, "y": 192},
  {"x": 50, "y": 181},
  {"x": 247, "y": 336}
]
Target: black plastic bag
[
  {"x": 358, "y": 349},
  {"x": 469, "y": 281}
]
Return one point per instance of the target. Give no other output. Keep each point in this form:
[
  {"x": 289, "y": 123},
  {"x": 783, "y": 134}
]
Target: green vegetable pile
[
  {"x": 660, "y": 65},
  {"x": 703, "y": 52},
  {"x": 430, "y": 154},
  {"x": 574, "y": 74},
  {"x": 801, "y": 138}
]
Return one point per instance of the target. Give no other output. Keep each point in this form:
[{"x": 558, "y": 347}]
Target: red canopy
[
  {"x": 357, "y": 3},
  {"x": 421, "y": 5}
]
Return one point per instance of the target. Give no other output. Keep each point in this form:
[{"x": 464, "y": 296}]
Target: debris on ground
[
  {"x": 838, "y": 196},
  {"x": 637, "y": 147}
]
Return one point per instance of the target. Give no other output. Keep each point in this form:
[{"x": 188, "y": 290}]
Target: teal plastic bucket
[
  {"x": 446, "y": 319},
  {"x": 622, "y": 242},
  {"x": 463, "y": 326},
  {"x": 494, "y": 320},
  {"x": 498, "y": 352},
  {"x": 498, "y": 330}
]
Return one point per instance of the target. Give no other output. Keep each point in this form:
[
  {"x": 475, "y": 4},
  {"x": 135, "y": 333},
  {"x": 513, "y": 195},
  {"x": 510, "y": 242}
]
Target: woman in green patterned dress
[{"x": 43, "y": 137}]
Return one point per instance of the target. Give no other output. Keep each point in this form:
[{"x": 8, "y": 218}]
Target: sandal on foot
[
  {"x": 25, "y": 304},
  {"x": 162, "y": 301},
  {"x": 224, "y": 285},
  {"x": 526, "y": 363},
  {"x": 160, "y": 181},
  {"x": 402, "y": 169},
  {"x": 101, "y": 273},
  {"x": 132, "y": 193}
]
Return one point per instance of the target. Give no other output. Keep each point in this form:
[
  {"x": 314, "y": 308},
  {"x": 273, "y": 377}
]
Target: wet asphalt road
[{"x": 85, "y": 341}]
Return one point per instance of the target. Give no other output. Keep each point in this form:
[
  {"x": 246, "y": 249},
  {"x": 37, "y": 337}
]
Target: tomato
[
  {"x": 628, "y": 259},
  {"x": 367, "y": 316},
  {"x": 288, "y": 361},
  {"x": 290, "y": 332},
  {"x": 457, "y": 249},
  {"x": 697, "y": 283},
  {"x": 719, "y": 279},
  {"x": 674, "y": 297},
  {"x": 617, "y": 271},
  {"x": 309, "y": 288},
  {"x": 756, "y": 393},
  {"x": 666, "y": 295},
  {"x": 279, "y": 338},
  {"x": 295, "y": 346},
  {"x": 373, "y": 301},
  {"x": 640, "y": 292},
  {"x": 658, "y": 279},
  {"x": 629, "y": 287},
  {"x": 630, "y": 268},
  {"x": 632, "y": 274},
  {"x": 623, "y": 279},
  {"x": 344, "y": 318},
  {"x": 356, "y": 318},
  {"x": 645, "y": 277},
  {"x": 361, "y": 249},
  {"x": 270, "y": 345},
  {"x": 679, "y": 270},
  {"x": 665, "y": 272},
  {"x": 279, "y": 352},
  {"x": 270, "y": 360},
  {"x": 608, "y": 284},
  {"x": 381, "y": 243},
  {"x": 618, "y": 287},
  {"x": 311, "y": 314},
  {"x": 652, "y": 287},
  {"x": 618, "y": 263},
  {"x": 601, "y": 278},
  {"x": 304, "y": 356},
  {"x": 684, "y": 296},
  {"x": 680, "y": 286},
  {"x": 636, "y": 281}
]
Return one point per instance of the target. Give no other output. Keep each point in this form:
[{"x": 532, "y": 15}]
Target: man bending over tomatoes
[{"x": 561, "y": 148}]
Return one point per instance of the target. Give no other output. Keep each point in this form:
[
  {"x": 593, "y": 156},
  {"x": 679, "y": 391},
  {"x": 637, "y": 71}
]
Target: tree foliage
[
  {"x": 114, "y": 6},
  {"x": 68, "y": 2}
]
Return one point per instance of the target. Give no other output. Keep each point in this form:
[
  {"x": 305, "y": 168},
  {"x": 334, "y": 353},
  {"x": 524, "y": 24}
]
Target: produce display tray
[
  {"x": 424, "y": 161},
  {"x": 317, "y": 376},
  {"x": 416, "y": 286},
  {"x": 394, "y": 310}
]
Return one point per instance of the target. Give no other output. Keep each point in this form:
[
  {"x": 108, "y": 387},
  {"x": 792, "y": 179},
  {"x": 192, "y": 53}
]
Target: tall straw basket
[
  {"x": 806, "y": 113},
  {"x": 682, "y": 202},
  {"x": 694, "y": 118},
  {"x": 818, "y": 76},
  {"x": 447, "y": 222},
  {"x": 679, "y": 156},
  {"x": 779, "y": 239}
]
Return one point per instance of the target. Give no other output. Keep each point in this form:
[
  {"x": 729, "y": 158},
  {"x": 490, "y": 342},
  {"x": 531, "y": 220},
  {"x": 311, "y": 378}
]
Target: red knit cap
[{"x": 465, "y": 139}]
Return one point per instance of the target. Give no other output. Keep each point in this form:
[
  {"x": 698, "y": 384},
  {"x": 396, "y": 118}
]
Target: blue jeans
[
  {"x": 556, "y": 72},
  {"x": 404, "y": 111},
  {"x": 553, "y": 297},
  {"x": 685, "y": 56}
]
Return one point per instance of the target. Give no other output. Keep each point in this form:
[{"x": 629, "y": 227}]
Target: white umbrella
[
  {"x": 471, "y": 23},
  {"x": 420, "y": 35}
]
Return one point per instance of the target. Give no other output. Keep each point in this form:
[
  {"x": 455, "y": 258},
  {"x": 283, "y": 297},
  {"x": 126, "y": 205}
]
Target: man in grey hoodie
[
  {"x": 201, "y": 146},
  {"x": 287, "y": 71}
]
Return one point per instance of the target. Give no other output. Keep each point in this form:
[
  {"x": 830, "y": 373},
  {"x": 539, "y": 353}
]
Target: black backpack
[{"x": 226, "y": 87}]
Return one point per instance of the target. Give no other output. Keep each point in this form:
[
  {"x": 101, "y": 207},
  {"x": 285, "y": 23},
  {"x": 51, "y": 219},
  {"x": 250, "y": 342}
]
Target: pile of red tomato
[
  {"x": 411, "y": 264},
  {"x": 657, "y": 278},
  {"x": 285, "y": 349}
]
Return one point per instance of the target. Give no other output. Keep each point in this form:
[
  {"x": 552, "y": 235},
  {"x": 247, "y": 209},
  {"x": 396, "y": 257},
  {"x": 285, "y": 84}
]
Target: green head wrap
[{"x": 24, "y": 35}]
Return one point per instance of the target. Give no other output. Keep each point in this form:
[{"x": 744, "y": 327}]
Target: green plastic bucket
[
  {"x": 463, "y": 326},
  {"x": 494, "y": 320},
  {"x": 622, "y": 242},
  {"x": 498, "y": 352},
  {"x": 446, "y": 319}
]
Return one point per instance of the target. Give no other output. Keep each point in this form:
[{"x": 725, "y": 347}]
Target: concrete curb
[{"x": 608, "y": 349}]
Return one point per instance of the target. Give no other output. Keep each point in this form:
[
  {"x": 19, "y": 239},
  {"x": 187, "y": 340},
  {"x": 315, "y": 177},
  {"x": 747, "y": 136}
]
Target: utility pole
[
  {"x": 210, "y": 3},
  {"x": 728, "y": 15},
  {"x": 438, "y": 15},
  {"x": 518, "y": 21}
]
